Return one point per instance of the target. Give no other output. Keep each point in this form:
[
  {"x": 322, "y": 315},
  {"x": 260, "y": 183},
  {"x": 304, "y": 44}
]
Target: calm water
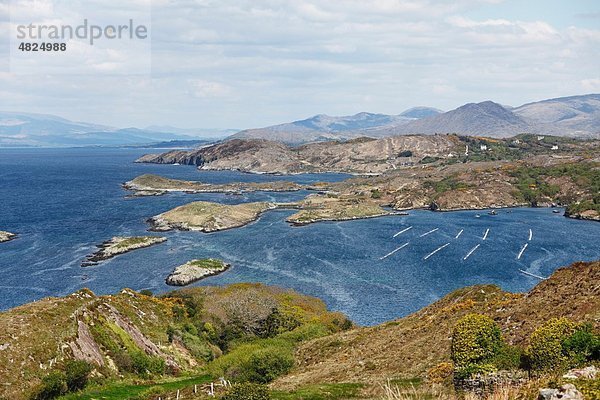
[{"x": 64, "y": 202}]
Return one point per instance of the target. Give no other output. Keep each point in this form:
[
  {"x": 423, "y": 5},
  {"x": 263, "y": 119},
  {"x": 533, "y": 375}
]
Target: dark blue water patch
[{"x": 64, "y": 202}]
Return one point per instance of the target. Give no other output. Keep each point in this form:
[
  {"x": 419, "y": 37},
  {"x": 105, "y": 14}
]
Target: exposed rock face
[
  {"x": 196, "y": 270},
  {"x": 84, "y": 347},
  {"x": 566, "y": 392},
  {"x": 209, "y": 217},
  {"x": 120, "y": 245},
  {"x": 6, "y": 236}
]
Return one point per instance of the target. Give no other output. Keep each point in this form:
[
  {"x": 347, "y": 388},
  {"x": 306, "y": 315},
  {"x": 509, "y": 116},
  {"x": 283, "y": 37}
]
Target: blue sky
[{"x": 252, "y": 63}]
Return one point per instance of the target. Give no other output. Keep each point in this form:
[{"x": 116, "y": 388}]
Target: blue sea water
[{"x": 63, "y": 202}]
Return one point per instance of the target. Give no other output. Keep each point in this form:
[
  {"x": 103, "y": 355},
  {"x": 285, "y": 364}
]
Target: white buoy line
[
  {"x": 393, "y": 251},
  {"x": 530, "y": 234},
  {"x": 458, "y": 234},
  {"x": 430, "y": 232},
  {"x": 485, "y": 235},
  {"x": 435, "y": 251},
  {"x": 471, "y": 251},
  {"x": 402, "y": 231},
  {"x": 522, "y": 251},
  {"x": 533, "y": 275}
]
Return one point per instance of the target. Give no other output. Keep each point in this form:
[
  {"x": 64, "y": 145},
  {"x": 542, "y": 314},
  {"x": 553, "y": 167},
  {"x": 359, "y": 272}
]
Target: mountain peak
[{"x": 420, "y": 112}]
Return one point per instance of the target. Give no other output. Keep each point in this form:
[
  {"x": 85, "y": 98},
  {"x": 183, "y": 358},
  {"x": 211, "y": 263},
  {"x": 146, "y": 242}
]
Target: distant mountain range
[
  {"x": 324, "y": 127},
  {"x": 576, "y": 116},
  {"x": 35, "y": 130}
]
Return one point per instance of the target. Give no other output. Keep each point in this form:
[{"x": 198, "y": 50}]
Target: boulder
[
  {"x": 566, "y": 392},
  {"x": 582, "y": 373}
]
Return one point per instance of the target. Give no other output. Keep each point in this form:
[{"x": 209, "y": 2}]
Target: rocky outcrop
[
  {"x": 196, "y": 270},
  {"x": 6, "y": 236},
  {"x": 566, "y": 392},
  {"x": 582, "y": 373},
  {"x": 590, "y": 215},
  {"x": 120, "y": 245},
  {"x": 84, "y": 347}
]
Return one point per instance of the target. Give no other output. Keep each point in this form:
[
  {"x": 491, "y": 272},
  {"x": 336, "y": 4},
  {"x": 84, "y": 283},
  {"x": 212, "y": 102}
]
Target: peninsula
[
  {"x": 154, "y": 185},
  {"x": 120, "y": 245},
  {"x": 196, "y": 270}
]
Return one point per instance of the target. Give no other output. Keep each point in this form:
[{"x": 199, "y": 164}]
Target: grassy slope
[
  {"x": 36, "y": 335},
  {"x": 410, "y": 346}
]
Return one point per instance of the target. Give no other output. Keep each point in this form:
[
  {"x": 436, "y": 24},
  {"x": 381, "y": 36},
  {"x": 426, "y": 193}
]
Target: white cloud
[
  {"x": 207, "y": 89},
  {"x": 591, "y": 85},
  {"x": 245, "y": 63}
]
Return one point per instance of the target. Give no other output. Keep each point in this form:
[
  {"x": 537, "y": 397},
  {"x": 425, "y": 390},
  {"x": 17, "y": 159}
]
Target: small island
[
  {"x": 206, "y": 216},
  {"x": 319, "y": 208},
  {"x": 6, "y": 236},
  {"x": 120, "y": 245},
  {"x": 155, "y": 185},
  {"x": 196, "y": 270}
]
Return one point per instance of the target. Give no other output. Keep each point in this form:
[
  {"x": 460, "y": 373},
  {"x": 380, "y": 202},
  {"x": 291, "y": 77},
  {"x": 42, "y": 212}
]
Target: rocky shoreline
[
  {"x": 7, "y": 236},
  {"x": 587, "y": 215},
  {"x": 195, "y": 270},
  {"x": 120, "y": 245}
]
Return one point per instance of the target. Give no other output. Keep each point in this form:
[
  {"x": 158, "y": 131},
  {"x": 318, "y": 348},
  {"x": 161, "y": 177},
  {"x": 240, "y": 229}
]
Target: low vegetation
[{"x": 255, "y": 335}]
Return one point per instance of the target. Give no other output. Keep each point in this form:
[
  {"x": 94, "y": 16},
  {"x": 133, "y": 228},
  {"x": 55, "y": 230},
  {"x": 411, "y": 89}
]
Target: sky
[{"x": 252, "y": 63}]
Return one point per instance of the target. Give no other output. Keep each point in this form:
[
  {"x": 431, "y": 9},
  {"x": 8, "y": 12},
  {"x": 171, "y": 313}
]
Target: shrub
[
  {"x": 77, "y": 373},
  {"x": 583, "y": 345},
  {"x": 53, "y": 385},
  {"x": 266, "y": 365},
  {"x": 508, "y": 358},
  {"x": 476, "y": 341},
  {"x": 375, "y": 194},
  {"x": 197, "y": 346},
  {"x": 405, "y": 153},
  {"x": 247, "y": 391},
  {"x": 143, "y": 364},
  {"x": 276, "y": 323},
  {"x": 545, "y": 351},
  {"x": 146, "y": 292}
]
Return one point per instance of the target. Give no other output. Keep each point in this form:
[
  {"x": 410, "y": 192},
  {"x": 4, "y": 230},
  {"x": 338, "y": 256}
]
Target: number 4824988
[{"x": 42, "y": 46}]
